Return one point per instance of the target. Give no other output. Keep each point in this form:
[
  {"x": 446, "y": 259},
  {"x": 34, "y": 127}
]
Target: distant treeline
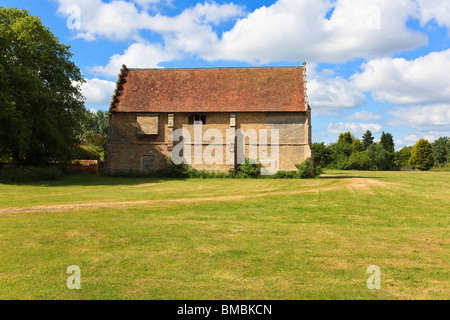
[{"x": 350, "y": 153}]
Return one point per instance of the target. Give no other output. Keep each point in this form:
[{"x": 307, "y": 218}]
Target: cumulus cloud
[
  {"x": 329, "y": 94},
  {"x": 122, "y": 20},
  {"x": 117, "y": 20},
  {"x": 98, "y": 92},
  {"x": 138, "y": 55},
  {"x": 411, "y": 140},
  {"x": 423, "y": 118},
  {"x": 364, "y": 116},
  {"x": 354, "y": 128},
  {"x": 292, "y": 30},
  {"x": 421, "y": 81},
  {"x": 438, "y": 10},
  {"x": 299, "y": 29}
]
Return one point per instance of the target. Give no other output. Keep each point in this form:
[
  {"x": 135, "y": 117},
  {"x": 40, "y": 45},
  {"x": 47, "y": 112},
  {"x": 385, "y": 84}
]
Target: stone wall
[{"x": 127, "y": 145}]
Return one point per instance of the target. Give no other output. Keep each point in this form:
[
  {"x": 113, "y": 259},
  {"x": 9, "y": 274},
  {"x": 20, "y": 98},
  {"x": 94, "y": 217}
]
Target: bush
[
  {"x": 30, "y": 174},
  {"x": 96, "y": 139},
  {"x": 248, "y": 170},
  {"x": 87, "y": 153},
  {"x": 307, "y": 170},
  {"x": 360, "y": 161}
]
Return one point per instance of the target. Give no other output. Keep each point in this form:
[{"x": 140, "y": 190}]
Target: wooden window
[
  {"x": 197, "y": 119},
  {"x": 148, "y": 164}
]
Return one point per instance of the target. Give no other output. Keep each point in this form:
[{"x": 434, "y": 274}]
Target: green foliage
[
  {"x": 441, "y": 150},
  {"x": 401, "y": 158},
  {"x": 87, "y": 153},
  {"x": 95, "y": 122},
  {"x": 387, "y": 141},
  {"x": 248, "y": 170},
  {"x": 367, "y": 139},
  {"x": 340, "y": 152},
  {"x": 359, "y": 161},
  {"x": 322, "y": 154},
  {"x": 307, "y": 170},
  {"x": 379, "y": 157},
  {"x": 358, "y": 146},
  {"x": 30, "y": 174},
  {"x": 422, "y": 155},
  {"x": 41, "y": 101},
  {"x": 345, "y": 137},
  {"x": 94, "y": 139}
]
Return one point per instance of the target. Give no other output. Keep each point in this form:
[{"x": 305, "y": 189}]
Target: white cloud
[
  {"x": 399, "y": 81},
  {"x": 364, "y": 116},
  {"x": 117, "y": 20},
  {"x": 138, "y": 55},
  {"x": 298, "y": 29},
  {"x": 438, "y": 10},
  {"x": 354, "y": 128},
  {"x": 423, "y": 118},
  {"x": 411, "y": 140},
  {"x": 291, "y": 30},
  {"x": 98, "y": 92},
  {"x": 328, "y": 94}
]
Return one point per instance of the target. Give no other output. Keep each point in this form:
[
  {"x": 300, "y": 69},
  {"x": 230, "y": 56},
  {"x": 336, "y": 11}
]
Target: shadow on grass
[{"x": 93, "y": 180}]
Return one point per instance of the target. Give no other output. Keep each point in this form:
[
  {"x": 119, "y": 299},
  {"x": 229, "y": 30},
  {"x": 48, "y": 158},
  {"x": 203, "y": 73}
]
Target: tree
[
  {"x": 95, "y": 122},
  {"x": 41, "y": 105},
  {"x": 441, "y": 148},
  {"x": 358, "y": 146},
  {"x": 345, "y": 137},
  {"x": 387, "y": 141},
  {"x": 340, "y": 152},
  {"x": 322, "y": 154},
  {"x": 367, "y": 139},
  {"x": 380, "y": 158},
  {"x": 401, "y": 158},
  {"x": 422, "y": 155}
]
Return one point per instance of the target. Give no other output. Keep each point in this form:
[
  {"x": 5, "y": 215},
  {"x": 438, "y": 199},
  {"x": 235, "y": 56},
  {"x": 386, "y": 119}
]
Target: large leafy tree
[
  {"x": 441, "y": 149},
  {"x": 96, "y": 122},
  {"x": 401, "y": 158},
  {"x": 41, "y": 106},
  {"x": 422, "y": 155}
]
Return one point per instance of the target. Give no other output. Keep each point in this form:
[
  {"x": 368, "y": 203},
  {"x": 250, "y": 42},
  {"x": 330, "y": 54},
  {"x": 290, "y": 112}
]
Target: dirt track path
[{"x": 361, "y": 184}]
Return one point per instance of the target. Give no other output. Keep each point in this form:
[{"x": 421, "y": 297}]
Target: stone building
[{"x": 223, "y": 107}]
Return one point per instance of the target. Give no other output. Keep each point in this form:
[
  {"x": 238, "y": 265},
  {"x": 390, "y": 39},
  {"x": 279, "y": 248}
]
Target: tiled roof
[{"x": 211, "y": 90}]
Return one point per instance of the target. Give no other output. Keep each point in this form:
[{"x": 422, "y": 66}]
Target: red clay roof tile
[{"x": 210, "y": 90}]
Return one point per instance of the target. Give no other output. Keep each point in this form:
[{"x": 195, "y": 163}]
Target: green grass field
[{"x": 228, "y": 239}]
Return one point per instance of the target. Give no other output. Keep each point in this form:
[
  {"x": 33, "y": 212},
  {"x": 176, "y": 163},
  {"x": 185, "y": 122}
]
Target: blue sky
[{"x": 371, "y": 64}]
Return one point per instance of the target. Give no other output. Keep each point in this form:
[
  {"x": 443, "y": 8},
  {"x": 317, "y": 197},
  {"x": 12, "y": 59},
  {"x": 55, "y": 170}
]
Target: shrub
[
  {"x": 248, "y": 170},
  {"x": 360, "y": 161},
  {"x": 87, "y": 153},
  {"x": 30, "y": 174},
  {"x": 96, "y": 139},
  {"x": 307, "y": 170}
]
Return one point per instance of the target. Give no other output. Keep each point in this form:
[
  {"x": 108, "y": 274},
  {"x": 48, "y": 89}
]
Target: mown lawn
[{"x": 240, "y": 239}]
